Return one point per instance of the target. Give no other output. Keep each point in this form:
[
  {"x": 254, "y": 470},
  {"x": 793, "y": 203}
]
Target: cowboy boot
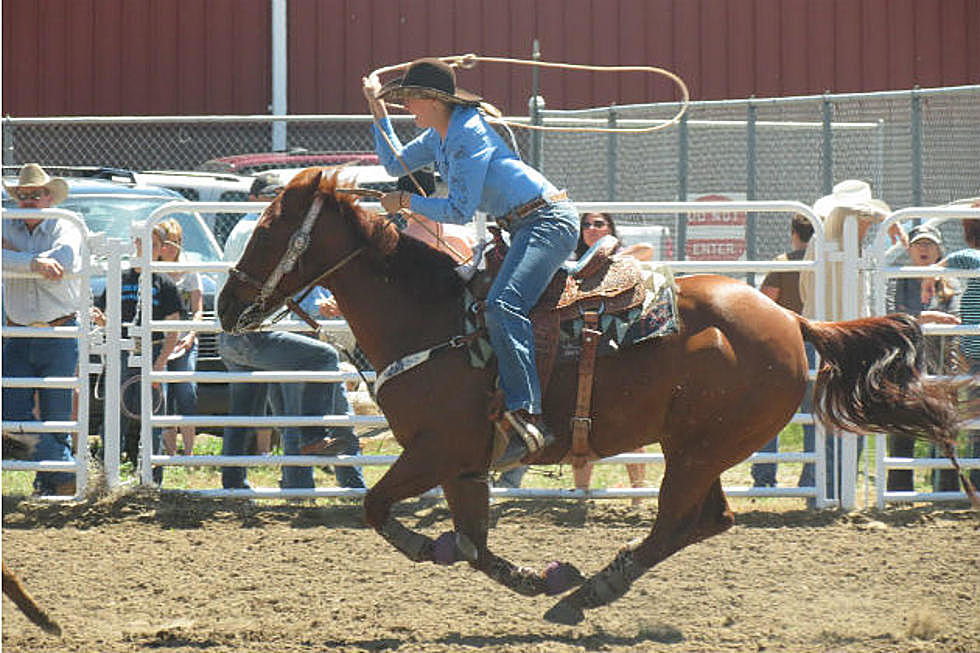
[{"x": 528, "y": 435}]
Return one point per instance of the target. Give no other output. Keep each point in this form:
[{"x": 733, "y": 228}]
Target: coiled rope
[{"x": 468, "y": 61}]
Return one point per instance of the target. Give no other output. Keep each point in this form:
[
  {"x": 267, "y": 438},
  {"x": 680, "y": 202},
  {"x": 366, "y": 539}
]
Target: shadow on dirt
[{"x": 178, "y": 510}]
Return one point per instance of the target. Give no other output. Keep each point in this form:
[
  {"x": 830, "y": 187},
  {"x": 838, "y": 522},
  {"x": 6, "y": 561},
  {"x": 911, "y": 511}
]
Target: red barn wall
[{"x": 164, "y": 57}]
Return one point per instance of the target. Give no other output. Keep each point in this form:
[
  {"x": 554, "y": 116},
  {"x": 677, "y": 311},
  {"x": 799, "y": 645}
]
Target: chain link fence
[{"x": 916, "y": 148}]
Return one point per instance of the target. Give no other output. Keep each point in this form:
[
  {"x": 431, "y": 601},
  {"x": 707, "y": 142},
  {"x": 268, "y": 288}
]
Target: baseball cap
[
  {"x": 925, "y": 232},
  {"x": 266, "y": 183}
]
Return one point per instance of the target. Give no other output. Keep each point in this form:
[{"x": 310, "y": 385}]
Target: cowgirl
[{"x": 483, "y": 174}]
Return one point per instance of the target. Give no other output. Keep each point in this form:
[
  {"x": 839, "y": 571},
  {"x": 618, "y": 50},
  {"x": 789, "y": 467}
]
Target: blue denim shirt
[{"x": 482, "y": 172}]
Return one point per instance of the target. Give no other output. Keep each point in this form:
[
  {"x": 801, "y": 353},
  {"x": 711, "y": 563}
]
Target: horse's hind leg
[{"x": 692, "y": 508}]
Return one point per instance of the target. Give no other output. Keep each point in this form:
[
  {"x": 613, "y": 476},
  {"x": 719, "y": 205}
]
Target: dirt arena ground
[{"x": 141, "y": 571}]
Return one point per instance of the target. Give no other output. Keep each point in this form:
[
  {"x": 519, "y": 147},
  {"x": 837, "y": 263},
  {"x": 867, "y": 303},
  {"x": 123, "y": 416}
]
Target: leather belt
[
  {"x": 517, "y": 215},
  {"x": 58, "y": 321}
]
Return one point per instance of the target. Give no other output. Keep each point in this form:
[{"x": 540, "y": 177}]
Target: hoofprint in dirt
[{"x": 142, "y": 571}]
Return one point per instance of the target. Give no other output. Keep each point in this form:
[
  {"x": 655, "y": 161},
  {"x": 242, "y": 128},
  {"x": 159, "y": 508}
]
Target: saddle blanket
[{"x": 656, "y": 318}]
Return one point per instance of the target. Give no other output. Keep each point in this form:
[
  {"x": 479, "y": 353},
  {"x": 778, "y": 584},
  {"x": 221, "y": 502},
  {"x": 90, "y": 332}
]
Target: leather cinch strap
[{"x": 582, "y": 421}]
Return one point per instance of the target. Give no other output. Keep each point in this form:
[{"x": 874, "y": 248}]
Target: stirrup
[{"x": 526, "y": 438}]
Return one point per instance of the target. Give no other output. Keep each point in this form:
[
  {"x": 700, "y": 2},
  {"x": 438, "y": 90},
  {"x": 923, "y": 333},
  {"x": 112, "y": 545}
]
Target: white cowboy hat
[
  {"x": 852, "y": 194},
  {"x": 33, "y": 176}
]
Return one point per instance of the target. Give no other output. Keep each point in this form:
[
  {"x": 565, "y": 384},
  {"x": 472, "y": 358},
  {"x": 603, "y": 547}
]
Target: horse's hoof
[
  {"x": 444, "y": 549},
  {"x": 564, "y": 613},
  {"x": 560, "y": 577}
]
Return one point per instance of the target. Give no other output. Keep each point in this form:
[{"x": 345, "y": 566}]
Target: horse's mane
[{"x": 427, "y": 273}]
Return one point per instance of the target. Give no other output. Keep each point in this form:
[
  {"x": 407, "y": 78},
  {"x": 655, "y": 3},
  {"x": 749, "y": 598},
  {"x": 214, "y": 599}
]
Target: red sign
[{"x": 716, "y": 236}]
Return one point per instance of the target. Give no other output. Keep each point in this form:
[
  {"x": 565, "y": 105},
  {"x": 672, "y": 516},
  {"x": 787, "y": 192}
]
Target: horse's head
[{"x": 278, "y": 260}]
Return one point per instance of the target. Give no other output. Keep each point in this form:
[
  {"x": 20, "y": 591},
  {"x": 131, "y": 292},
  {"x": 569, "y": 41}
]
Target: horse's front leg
[
  {"x": 418, "y": 469},
  {"x": 468, "y": 497}
]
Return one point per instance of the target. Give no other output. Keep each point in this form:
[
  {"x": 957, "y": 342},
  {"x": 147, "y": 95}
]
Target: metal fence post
[
  {"x": 9, "y": 157},
  {"x": 611, "y": 156},
  {"x": 535, "y": 105},
  {"x": 112, "y": 363},
  {"x": 682, "y": 161},
  {"x": 827, "y": 164},
  {"x": 750, "y": 185},
  {"x": 916, "y": 128},
  {"x": 851, "y": 300}
]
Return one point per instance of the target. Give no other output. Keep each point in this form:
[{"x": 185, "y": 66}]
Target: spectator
[
  {"x": 593, "y": 227},
  {"x": 166, "y": 306},
  {"x": 968, "y": 259},
  {"x": 52, "y": 250},
  {"x": 925, "y": 248},
  {"x": 784, "y": 289},
  {"x": 182, "y": 397},
  {"x": 483, "y": 174},
  {"x": 602, "y": 224},
  {"x": 850, "y": 197},
  {"x": 272, "y": 350}
]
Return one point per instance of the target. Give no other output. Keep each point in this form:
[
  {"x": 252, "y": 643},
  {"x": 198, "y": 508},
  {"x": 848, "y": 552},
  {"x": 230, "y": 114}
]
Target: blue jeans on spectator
[
  {"x": 512, "y": 478},
  {"x": 764, "y": 474},
  {"x": 313, "y": 400},
  {"x": 537, "y": 249},
  {"x": 182, "y": 397},
  {"x": 36, "y": 357},
  {"x": 132, "y": 400},
  {"x": 269, "y": 350}
]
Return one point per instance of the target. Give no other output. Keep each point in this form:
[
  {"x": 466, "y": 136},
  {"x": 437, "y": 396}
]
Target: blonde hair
[{"x": 174, "y": 232}]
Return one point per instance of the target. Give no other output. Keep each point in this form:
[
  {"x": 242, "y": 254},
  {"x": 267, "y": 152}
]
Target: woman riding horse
[
  {"x": 710, "y": 394},
  {"x": 483, "y": 174}
]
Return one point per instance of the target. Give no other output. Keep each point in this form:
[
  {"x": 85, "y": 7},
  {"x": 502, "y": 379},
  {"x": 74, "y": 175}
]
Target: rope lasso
[{"x": 468, "y": 61}]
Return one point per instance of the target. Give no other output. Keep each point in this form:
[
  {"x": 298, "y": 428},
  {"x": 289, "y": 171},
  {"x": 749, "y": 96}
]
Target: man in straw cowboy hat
[
  {"x": 51, "y": 250},
  {"x": 851, "y": 197},
  {"x": 483, "y": 174}
]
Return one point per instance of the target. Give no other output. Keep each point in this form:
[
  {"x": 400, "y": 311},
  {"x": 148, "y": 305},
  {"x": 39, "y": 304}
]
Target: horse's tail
[{"x": 871, "y": 379}]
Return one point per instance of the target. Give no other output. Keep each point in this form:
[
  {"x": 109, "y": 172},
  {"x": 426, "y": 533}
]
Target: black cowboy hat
[{"x": 428, "y": 77}]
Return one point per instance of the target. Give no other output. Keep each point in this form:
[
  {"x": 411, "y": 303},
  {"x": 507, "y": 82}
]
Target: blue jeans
[
  {"x": 132, "y": 400},
  {"x": 283, "y": 351},
  {"x": 537, "y": 249},
  {"x": 312, "y": 398},
  {"x": 42, "y": 357},
  {"x": 182, "y": 397}
]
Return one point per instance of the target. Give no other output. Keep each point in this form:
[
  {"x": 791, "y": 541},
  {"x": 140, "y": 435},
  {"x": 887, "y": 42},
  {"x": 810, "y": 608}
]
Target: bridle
[{"x": 265, "y": 297}]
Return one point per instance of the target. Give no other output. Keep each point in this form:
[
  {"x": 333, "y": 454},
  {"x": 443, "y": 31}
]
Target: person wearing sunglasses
[
  {"x": 595, "y": 226},
  {"x": 41, "y": 258}
]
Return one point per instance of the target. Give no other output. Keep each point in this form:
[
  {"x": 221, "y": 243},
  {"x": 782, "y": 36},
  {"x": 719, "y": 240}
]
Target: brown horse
[
  {"x": 711, "y": 394},
  {"x": 14, "y": 589}
]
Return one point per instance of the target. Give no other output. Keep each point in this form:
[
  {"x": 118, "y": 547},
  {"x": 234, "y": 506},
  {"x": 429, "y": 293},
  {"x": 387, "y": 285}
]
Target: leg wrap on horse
[
  {"x": 556, "y": 578},
  {"x": 602, "y": 589},
  {"x": 417, "y": 547},
  {"x": 451, "y": 547}
]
